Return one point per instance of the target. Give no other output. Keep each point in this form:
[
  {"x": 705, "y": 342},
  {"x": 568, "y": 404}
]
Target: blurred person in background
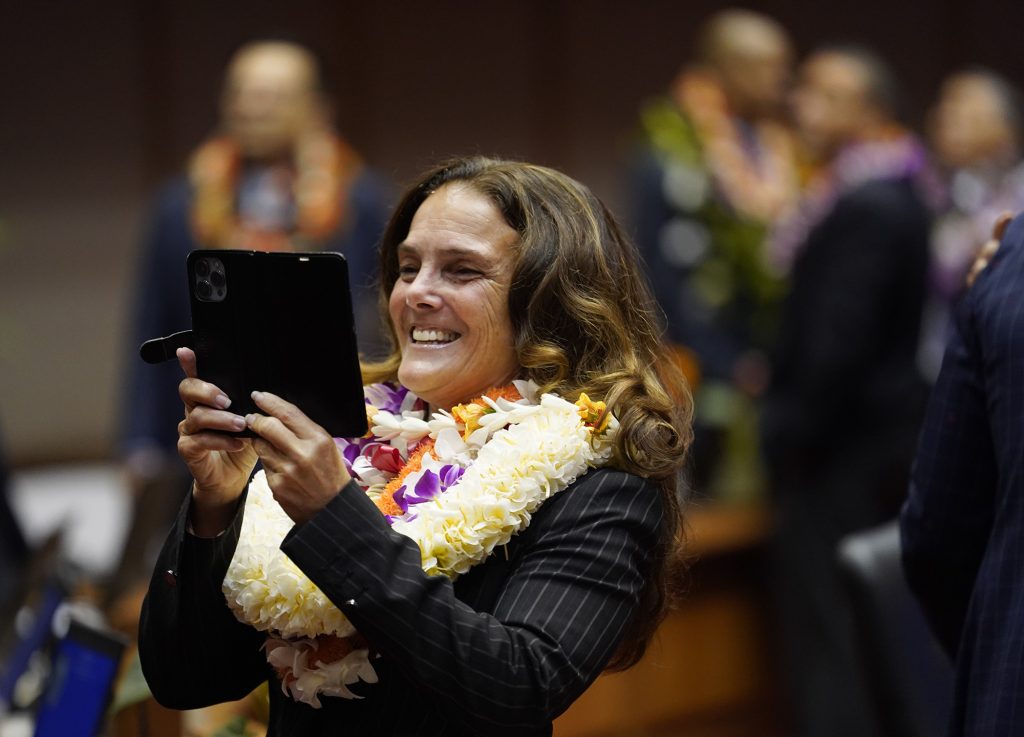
[
  {"x": 841, "y": 416},
  {"x": 715, "y": 171},
  {"x": 975, "y": 134},
  {"x": 275, "y": 176}
]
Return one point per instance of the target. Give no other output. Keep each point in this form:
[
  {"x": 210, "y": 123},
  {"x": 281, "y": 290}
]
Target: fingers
[
  {"x": 187, "y": 361},
  {"x": 203, "y": 418},
  {"x": 195, "y": 392},
  {"x": 271, "y": 458},
  {"x": 1002, "y": 223},
  {"x": 981, "y": 261},
  {"x": 290, "y": 416},
  {"x": 987, "y": 251},
  {"x": 275, "y": 443},
  {"x": 198, "y": 444},
  {"x": 192, "y": 389}
]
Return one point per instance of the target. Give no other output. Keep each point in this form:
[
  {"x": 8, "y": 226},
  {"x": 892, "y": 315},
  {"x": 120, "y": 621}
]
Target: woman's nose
[{"x": 422, "y": 291}]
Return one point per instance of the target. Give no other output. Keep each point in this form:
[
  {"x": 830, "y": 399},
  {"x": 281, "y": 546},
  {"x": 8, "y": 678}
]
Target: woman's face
[{"x": 450, "y": 303}]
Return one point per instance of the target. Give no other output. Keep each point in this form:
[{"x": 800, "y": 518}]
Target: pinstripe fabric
[
  {"x": 501, "y": 652},
  {"x": 963, "y": 524}
]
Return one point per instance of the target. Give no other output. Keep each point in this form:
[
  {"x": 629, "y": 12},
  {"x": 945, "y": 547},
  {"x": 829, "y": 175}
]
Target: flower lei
[
  {"x": 325, "y": 169},
  {"x": 460, "y": 484}
]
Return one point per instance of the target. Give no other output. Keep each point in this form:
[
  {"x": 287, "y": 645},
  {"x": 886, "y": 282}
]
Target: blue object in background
[{"x": 85, "y": 666}]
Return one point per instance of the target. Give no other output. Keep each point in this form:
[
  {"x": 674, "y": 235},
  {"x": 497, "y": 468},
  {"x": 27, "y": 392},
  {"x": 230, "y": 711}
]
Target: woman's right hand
[{"x": 219, "y": 463}]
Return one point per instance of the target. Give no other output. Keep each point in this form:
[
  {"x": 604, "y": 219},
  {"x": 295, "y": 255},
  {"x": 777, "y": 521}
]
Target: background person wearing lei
[{"x": 505, "y": 533}]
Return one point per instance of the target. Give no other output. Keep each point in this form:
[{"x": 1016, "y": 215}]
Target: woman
[{"x": 492, "y": 272}]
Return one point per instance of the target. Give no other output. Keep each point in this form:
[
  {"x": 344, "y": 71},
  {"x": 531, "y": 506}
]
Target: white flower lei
[{"x": 513, "y": 456}]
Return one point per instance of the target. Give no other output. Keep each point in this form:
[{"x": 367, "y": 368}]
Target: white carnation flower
[
  {"x": 264, "y": 587},
  {"x": 305, "y": 678}
]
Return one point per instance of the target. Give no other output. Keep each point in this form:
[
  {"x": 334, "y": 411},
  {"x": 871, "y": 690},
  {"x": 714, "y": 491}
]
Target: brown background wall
[{"x": 102, "y": 100}]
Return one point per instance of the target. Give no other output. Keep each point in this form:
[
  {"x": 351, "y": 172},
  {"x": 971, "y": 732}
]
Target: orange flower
[
  {"x": 387, "y": 505},
  {"x": 469, "y": 414},
  {"x": 508, "y": 392}
]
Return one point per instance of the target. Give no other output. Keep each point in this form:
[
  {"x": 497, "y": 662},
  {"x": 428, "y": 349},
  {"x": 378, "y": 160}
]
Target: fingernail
[
  {"x": 257, "y": 396},
  {"x": 249, "y": 419},
  {"x": 222, "y": 401},
  {"x": 238, "y": 423}
]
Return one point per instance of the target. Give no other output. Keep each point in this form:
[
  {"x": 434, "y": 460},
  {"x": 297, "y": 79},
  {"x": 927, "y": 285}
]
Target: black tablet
[{"x": 277, "y": 322}]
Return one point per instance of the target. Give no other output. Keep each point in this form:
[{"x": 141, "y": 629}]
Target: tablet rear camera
[{"x": 210, "y": 282}]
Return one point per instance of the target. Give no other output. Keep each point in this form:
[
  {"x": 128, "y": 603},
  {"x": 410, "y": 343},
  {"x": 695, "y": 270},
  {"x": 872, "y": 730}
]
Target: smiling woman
[
  {"x": 505, "y": 532},
  {"x": 449, "y": 306}
]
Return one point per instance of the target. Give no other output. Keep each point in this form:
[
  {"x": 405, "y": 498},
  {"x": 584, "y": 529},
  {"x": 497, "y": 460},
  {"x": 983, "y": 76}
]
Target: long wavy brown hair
[{"x": 583, "y": 321}]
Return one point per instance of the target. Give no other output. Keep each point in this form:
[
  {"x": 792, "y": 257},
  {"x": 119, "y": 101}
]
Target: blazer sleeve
[
  {"x": 556, "y": 623},
  {"x": 193, "y": 651},
  {"x": 947, "y": 517}
]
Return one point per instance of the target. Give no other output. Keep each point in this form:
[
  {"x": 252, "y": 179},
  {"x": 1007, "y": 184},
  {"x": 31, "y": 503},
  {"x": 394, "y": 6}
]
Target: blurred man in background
[
  {"x": 276, "y": 176},
  {"x": 975, "y": 134},
  {"x": 842, "y": 413},
  {"x": 715, "y": 171}
]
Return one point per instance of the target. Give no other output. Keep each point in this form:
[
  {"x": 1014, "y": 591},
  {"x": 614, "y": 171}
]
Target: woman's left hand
[{"x": 304, "y": 466}]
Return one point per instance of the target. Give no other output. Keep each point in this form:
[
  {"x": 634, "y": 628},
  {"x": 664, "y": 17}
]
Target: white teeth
[{"x": 433, "y": 336}]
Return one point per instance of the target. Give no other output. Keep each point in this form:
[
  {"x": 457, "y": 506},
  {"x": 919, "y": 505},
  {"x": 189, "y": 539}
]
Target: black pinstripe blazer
[
  {"x": 963, "y": 523},
  {"x": 502, "y": 651}
]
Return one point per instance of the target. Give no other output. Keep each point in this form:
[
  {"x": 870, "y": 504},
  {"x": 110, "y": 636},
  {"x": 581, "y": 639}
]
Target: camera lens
[
  {"x": 217, "y": 279},
  {"x": 203, "y": 289},
  {"x": 202, "y": 267}
]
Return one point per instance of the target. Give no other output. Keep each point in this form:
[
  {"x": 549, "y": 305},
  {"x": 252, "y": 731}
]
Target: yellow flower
[
  {"x": 592, "y": 413},
  {"x": 371, "y": 411},
  {"x": 469, "y": 415}
]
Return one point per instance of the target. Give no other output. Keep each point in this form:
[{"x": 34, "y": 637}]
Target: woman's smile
[{"x": 433, "y": 336}]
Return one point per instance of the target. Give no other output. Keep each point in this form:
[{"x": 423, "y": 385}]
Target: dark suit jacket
[
  {"x": 963, "y": 524},
  {"x": 846, "y": 396},
  {"x": 502, "y": 651}
]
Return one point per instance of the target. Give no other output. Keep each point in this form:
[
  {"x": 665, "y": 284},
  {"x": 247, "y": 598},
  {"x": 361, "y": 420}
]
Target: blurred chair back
[{"x": 909, "y": 676}]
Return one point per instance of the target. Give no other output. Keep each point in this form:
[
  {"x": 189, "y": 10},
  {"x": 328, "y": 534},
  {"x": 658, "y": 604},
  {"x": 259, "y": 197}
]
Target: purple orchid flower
[
  {"x": 429, "y": 485},
  {"x": 352, "y": 448},
  {"x": 450, "y": 475},
  {"x": 387, "y": 397},
  {"x": 425, "y": 490}
]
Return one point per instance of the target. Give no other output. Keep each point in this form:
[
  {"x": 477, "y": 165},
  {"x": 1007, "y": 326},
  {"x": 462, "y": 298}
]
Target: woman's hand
[
  {"x": 219, "y": 463},
  {"x": 305, "y": 468}
]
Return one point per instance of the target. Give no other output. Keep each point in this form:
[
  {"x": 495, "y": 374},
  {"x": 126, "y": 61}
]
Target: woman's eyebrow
[{"x": 405, "y": 248}]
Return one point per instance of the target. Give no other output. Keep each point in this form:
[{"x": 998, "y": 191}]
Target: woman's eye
[{"x": 407, "y": 272}]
